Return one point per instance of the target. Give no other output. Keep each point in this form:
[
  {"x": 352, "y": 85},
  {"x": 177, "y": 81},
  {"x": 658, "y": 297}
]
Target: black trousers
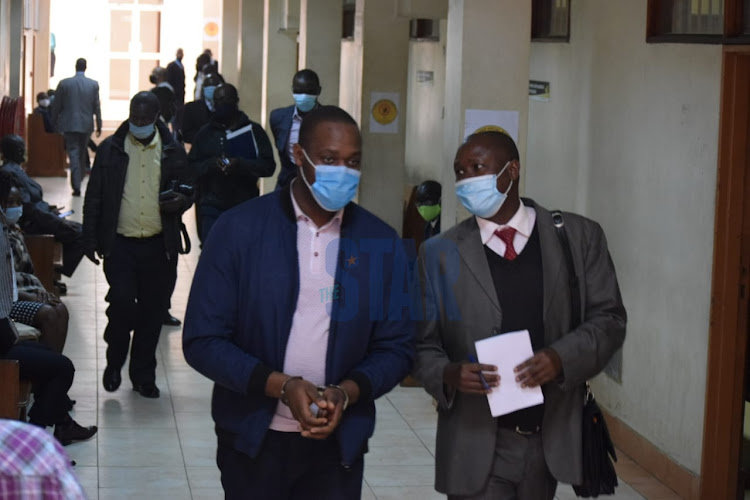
[
  {"x": 139, "y": 276},
  {"x": 288, "y": 467},
  {"x": 51, "y": 375}
]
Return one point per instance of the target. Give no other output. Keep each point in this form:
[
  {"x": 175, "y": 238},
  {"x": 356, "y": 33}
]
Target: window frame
[
  {"x": 733, "y": 26},
  {"x": 537, "y": 6}
]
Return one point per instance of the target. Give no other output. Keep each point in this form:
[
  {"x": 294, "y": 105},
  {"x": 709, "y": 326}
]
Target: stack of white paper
[{"x": 506, "y": 351}]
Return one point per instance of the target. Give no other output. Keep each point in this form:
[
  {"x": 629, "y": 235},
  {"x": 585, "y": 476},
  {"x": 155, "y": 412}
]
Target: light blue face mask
[
  {"x": 14, "y": 214},
  {"x": 334, "y": 185},
  {"x": 305, "y": 102},
  {"x": 142, "y": 132},
  {"x": 480, "y": 195},
  {"x": 208, "y": 96}
]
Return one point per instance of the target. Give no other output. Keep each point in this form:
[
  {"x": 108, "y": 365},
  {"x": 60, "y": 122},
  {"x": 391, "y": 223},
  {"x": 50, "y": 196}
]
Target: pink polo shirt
[{"x": 307, "y": 348}]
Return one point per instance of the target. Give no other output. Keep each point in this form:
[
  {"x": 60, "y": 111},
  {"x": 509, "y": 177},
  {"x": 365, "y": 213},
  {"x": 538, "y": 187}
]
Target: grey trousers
[
  {"x": 519, "y": 471},
  {"x": 76, "y": 144}
]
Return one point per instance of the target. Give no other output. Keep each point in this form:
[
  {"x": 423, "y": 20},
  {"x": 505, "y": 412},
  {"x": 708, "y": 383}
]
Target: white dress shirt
[
  {"x": 293, "y": 134},
  {"x": 522, "y": 221}
]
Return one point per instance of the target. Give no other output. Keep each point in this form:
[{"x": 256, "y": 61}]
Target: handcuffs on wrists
[{"x": 321, "y": 389}]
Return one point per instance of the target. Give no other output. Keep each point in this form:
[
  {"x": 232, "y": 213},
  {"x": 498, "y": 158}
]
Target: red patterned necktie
[{"x": 507, "y": 234}]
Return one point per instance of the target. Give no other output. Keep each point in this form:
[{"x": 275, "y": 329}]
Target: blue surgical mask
[
  {"x": 14, "y": 214},
  {"x": 208, "y": 96},
  {"x": 142, "y": 132},
  {"x": 305, "y": 102},
  {"x": 480, "y": 195},
  {"x": 334, "y": 185}
]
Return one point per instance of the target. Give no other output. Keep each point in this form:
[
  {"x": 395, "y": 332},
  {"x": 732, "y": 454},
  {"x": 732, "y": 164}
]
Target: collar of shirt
[
  {"x": 521, "y": 222},
  {"x": 166, "y": 84},
  {"x": 296, "y": 115},
  {"x": 300, "y": 215},
  {"x": 179, "y": 63},
  {"x": 154, "y": 142},
  {"x": 80, "y": 73}
]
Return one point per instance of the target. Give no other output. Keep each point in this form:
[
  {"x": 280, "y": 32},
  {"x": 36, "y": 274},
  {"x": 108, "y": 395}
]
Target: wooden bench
[
  {"x": 15, "y": 394},
  {"x": 46, "y": 151},
  {"x": 46, "y": 256}
]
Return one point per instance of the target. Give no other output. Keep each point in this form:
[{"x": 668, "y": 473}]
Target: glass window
[
  {"x": 119, "y": 79},
  {"x": 150, "y": 31},
  {"x": 550, "y": 19},
  {"x": 120, "y": 29}
]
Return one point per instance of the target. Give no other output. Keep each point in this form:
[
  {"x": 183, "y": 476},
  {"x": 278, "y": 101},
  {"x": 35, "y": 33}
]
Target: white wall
[
  {"x": 629, "y": 138},
  {"x": 4, "y": 47}
]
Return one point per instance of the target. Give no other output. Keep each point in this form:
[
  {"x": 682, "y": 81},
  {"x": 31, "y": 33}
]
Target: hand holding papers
[{"x": 506, "y": 351}]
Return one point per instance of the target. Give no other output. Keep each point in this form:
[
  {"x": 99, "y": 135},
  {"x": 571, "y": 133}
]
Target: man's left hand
[
  {"x": 544, "y": 367},
  {"x": 332, "y": 408}
]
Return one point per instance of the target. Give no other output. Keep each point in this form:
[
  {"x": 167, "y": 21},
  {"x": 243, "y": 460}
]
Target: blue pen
[{"x": 473, "y": 359}]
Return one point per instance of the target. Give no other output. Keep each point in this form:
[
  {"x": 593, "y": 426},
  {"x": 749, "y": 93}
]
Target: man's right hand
[
  {"x": 465, "y": 377},
  {"x": 91, "y": 254},
  {"x": 299, "y": 393}
]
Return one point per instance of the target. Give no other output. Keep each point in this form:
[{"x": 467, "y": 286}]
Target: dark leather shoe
[
  {"x": 147, "y": 390},
  {"x": 170, "y": 320},
  {"x": 77, "y": 192},
  {"x": 71, "y": 432},
  {"x": 111, "y": 379}
]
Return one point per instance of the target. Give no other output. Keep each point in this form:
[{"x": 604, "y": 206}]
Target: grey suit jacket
[
  {"x": 461, "y": 307},
  {"x": 75, "y": 104}
]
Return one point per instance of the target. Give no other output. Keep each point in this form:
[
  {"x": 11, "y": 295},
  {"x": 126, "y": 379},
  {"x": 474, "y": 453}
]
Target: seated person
[
  {"x": 35, "y": 306},
  {"x": 51, "y": 374},
  {"x": 428, "y": 199},
  {"x": 198, "y": 112},
  {"x": 43, "y": 101},
  {"x": 38, "y": 216}
]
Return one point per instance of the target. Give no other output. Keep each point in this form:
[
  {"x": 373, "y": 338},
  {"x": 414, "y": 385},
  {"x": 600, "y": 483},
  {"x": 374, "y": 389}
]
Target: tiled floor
[{"x": 164, "y": 448}]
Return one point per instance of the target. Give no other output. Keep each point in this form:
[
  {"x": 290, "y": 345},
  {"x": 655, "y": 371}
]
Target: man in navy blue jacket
[
  {"x": 300, "y": 312},
  {"x": 285, "y": 122}
]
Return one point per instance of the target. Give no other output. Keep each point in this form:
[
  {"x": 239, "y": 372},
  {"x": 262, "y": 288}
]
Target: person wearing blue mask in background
[
  {"x": 198, "y": 113},
  {"x": 131, "y": 217},
  {"x": 286, "y": 122},
  {"x": 502, "y": 270},
  {"x": 228, "y": 156},
  {"x": 285, "y": 311}
]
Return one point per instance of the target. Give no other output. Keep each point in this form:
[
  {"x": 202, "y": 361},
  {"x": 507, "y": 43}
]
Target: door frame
[{"x": 730, "y": 288}]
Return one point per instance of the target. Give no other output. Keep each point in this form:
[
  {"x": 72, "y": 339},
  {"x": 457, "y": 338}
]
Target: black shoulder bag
[{"x": 599, "y": 476}]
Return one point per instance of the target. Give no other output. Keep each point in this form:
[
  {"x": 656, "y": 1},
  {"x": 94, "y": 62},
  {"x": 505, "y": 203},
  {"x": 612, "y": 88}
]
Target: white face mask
[{"x": 44, "y": 103}]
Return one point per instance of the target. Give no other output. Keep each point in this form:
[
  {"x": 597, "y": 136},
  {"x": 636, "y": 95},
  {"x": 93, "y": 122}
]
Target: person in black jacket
[
  {"x": 165, "y": 92},
  {"x": 131, "y": 218},
  {"x": 197, "y": 113},
  {"x": 176, "y": 78},
  {"x": 228, "y": 156}
]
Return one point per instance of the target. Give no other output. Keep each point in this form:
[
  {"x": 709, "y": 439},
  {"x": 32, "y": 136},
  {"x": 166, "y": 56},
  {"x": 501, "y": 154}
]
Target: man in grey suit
[
  {"x": 504, "y": 270},
  {"x": 76, "y": 103}
]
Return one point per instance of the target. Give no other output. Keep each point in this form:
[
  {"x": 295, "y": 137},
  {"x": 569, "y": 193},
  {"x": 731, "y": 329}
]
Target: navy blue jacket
[
  {"x": 244, "y": 295},
  {"x": 281, "y": 125}
]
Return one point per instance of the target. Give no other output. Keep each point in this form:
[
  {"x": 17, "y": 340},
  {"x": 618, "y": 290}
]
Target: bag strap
[{"x": 575, "y": 286}]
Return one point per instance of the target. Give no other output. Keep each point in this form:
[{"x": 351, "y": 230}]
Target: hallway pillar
[
  {"x": 320, "y": 44},
  {"x": 385, "y": 60},
  {"x": 487, "y": 67},
  {"x": 280, "y": 29},
  {"x": 250, "y": 56},
  {"x": 231, "y": 33}
]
